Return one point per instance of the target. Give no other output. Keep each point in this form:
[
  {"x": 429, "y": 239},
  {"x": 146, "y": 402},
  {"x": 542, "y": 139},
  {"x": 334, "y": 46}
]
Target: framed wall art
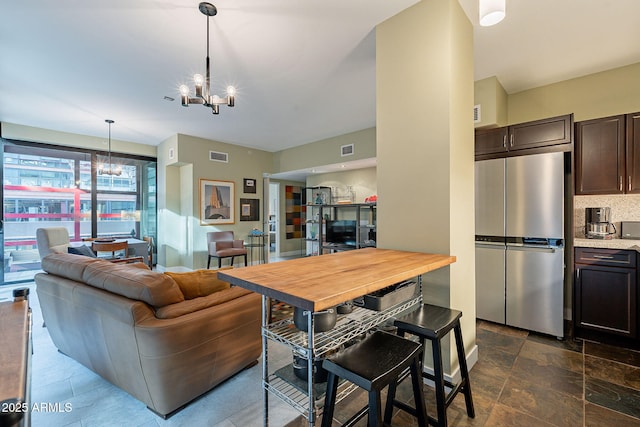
[
  {"x": 249, "y": 209},
  {"x": 217, "y": 202},
  {"x": 249, "y": 185}
]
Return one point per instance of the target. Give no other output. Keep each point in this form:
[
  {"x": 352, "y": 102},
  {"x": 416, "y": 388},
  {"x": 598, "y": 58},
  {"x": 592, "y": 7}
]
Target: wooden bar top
[{"x": 319, "y": 282}]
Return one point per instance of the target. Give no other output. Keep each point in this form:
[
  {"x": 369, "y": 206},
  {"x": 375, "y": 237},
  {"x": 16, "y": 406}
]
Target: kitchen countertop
[
  {"x": 316, "y": 283},
  {"x": 607, "y": 244}
]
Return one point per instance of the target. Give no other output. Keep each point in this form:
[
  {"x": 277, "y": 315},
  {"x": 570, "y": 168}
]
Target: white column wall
[{"x": 425, "y": 146}]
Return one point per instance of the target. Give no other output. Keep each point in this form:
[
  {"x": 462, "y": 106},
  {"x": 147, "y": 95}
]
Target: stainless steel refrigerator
[{"x": 519, "y": 241}]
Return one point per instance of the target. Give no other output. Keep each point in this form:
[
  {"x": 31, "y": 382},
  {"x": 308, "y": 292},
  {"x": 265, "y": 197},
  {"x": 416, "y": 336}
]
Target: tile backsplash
[{"x": 623, "y": 208}]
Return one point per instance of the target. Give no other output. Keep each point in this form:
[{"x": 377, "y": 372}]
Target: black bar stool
[
  {"x": 372, "y": 364},
  {"x": 430, "y": 322}
]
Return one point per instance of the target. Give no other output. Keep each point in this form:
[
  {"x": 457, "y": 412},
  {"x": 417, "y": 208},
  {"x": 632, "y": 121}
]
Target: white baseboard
[
  {"x": 178, "y": 269},
  {"x": 454, "y": 377}
]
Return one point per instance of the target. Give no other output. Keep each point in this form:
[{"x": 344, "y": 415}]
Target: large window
[{"x": 48, "y": 186}]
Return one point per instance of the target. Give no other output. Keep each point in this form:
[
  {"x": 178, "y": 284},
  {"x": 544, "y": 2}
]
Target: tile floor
[
  {"x": 521, "y": 379},
  {"x": 524, "y": 379}
]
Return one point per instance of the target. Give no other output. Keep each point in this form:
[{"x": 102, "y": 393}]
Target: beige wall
[
  {"x": 425, "y": 146},
  {"x": 492, "y": 98},
  {"x": 603, "y": 94},
  {"x": 326, "y": 151},
  {"x": 183, "y": 241},
  {"x": 47, "y": 136}
]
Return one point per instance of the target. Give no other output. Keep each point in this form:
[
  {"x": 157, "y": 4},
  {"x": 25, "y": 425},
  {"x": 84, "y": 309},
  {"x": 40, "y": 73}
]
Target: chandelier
[
  {"x": 110, "y": 170},
  {"x": 203, "y": 84}
]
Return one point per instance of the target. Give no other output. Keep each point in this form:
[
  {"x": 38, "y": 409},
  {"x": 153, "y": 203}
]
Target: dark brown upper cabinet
[
  {"x": 541, "y": 133},
  {"x": 490, "y": 141},
  {"x": 499, "y": 142},
  {"x": 608, "y": 155},
  {"x": 633, "y": 153}
]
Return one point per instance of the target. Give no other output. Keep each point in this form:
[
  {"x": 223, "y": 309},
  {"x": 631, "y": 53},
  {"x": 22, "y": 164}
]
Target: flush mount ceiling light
[
  {"x": 110, "y": 170},
  {"x": 491, "y": 12},
  {"x": 203, "y": 93}
]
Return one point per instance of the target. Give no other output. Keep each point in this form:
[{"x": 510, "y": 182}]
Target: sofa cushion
[
  {"x": 138, "y": 264},
  {"x": 67, "y": 265},
  {"x": 156, "y": 289},
  {"x": 181, "y": 308},
  {"x": 231, "y": 252},
  {"x": 198, "y": 283}
]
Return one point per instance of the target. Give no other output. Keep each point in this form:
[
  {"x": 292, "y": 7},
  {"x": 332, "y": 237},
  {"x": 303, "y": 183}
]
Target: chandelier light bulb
[
  {"x": 198, "y": 79},
  {"x": 184, "y": 90},
  {"x": 231, "y": 96},
  {"x": 491, "y": 12}
]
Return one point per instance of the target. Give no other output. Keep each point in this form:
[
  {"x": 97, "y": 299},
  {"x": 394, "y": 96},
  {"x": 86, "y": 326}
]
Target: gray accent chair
[
  {"x": 222, "y": 244},
  {"x": 52, "y": 240}
]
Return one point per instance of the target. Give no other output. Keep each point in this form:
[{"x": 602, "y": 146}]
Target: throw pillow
[
  {"x": 198, "y": 283},
  {"x": 59, "y": 249},
  {"x": 178, "y": 309},
  {"x": 81, "y": 250}
]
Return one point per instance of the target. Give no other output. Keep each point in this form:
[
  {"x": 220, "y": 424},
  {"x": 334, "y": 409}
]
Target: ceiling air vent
[
  {"x": 476, "y": 114},
  {"x": 346, "y": 150},
  {"x": 216, "y": 156}
]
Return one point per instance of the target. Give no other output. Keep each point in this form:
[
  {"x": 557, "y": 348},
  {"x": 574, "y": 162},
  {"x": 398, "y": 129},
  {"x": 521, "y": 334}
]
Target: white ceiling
[{"x": 304, "y": 71}]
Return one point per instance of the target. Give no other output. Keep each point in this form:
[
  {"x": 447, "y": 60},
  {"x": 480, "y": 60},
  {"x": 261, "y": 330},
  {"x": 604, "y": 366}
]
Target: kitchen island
[{"x": 319, "y": 283}]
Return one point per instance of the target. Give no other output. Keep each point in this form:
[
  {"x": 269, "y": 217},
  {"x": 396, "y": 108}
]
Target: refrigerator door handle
[
  {"x": 490, "y": 245},
  {"x": 533, "y": 248}
]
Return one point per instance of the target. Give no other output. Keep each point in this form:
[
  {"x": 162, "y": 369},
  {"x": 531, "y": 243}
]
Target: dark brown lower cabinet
[{"x": 605, "y": 292}]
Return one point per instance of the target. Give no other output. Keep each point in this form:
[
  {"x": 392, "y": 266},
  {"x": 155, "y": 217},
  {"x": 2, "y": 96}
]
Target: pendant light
[
  {"x": 491, "y": 12},
  {"x": 110, "y": 170},
  {"x": 203, "y": 84}
]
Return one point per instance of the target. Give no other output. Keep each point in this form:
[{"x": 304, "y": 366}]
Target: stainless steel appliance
[
  {"x": 598, "y": 223},
  {"x": 519, "y": 241},
  {"x": 630, "y": 230}
]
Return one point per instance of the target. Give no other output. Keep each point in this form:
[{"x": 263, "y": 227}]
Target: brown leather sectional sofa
[{"x": 134, "y": 327}]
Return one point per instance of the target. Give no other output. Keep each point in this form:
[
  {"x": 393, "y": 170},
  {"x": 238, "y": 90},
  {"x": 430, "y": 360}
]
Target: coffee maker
[{"x": 598, "y": 223}]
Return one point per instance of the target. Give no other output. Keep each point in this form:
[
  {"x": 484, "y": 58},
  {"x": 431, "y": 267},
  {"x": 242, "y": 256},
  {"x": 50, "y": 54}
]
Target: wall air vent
[
  {"x": 346, "y": 150},
  {"x": 216, "y": 156},
  {"x": 476, "y": 114}
]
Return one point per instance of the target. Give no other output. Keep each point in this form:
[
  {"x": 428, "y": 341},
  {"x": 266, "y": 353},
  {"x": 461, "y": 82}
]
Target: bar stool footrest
[
  {"x": 357, "y": 417},
  {"x": 405, "y": 407},
  {"x": 455, "y": 388}
]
